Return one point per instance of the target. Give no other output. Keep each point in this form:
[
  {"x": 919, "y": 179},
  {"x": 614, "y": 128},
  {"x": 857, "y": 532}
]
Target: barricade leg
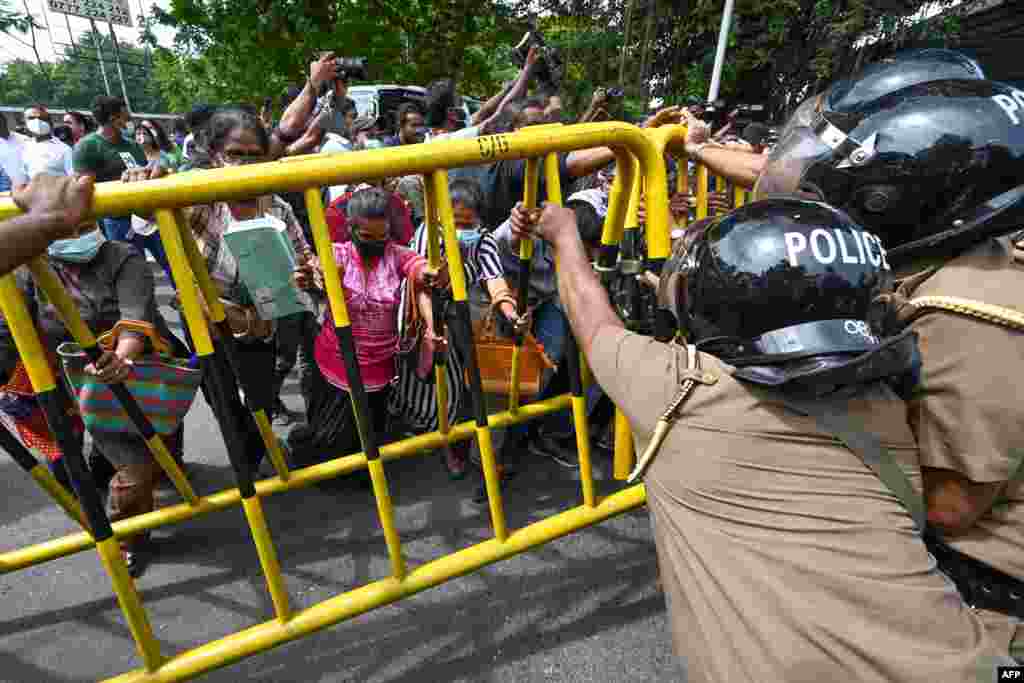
[
  {"x": 226, "y": 343},
  {"x": 574, "y": 360},
  {"x": 440, "y": 356},
  {"x": 170, "y": 234},
  {"x": 702, "y": 192},
  {"x": 439, "y": 181},
  {"x": 54, "y": 290},
  {"x": 523, "y": 285},
  {"x": 624, "y": 456},
  {"x": 33, "y": 355},
  {"x": 360, "y": 402}
]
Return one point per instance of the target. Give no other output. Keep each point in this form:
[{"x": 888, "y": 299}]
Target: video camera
[{"x": 549, "y": 69}]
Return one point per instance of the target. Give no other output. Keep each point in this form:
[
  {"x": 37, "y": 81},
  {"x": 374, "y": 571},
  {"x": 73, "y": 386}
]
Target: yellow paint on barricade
[{"x": 636, "y": 155}]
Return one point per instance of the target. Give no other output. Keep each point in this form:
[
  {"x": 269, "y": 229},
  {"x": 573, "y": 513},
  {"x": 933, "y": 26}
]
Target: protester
[
  {"x": 109, "y": 154},
  {"x": 372, "y": 268},
  {"x": 108, "y": 282},
  {"x": 411, "y": 126},
  {"x": 235, "y": 138},
  {"x": 414, "y": 400},
  {"x": 80, "y": 125},
  {"x": 399, "y": 215},
  {"x": 12, "y": 165},
  {"x": 156, "y": 145},
  {"x": 44, "y": 153}
]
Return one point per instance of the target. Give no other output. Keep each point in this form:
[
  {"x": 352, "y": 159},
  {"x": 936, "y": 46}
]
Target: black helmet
[
  {"x": 911, "y": 159},
  {"x": 777, "y": 279}
]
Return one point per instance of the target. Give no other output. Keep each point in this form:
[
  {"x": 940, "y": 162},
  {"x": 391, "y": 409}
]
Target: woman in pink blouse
[{"x": 372, "y": 268}]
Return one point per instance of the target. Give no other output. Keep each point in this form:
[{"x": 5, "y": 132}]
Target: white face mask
[
  {"x": 81, "y": 249},
  {"x": 38, "y": 127}
]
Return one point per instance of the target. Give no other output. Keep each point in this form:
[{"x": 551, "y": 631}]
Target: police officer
[
  {"x": 930, "y": 157},
  {"x": 783, "y": 555}
]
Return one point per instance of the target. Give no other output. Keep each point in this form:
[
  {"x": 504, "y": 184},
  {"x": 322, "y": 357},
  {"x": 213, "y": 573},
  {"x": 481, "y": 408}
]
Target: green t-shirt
[{"x": 107, "y": 161}]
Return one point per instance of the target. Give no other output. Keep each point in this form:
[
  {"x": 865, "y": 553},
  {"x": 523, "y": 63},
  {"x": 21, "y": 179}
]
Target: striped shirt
[
  {"x": 481, "y": 261},
  {"x": 414, "y": 400}
]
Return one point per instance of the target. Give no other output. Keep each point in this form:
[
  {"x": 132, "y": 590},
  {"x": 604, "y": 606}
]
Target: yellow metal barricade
[{"x": 637, "y": 156}]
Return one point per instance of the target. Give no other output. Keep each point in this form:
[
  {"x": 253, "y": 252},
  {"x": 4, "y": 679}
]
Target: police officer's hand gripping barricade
[{"x": 636, "y": 152}]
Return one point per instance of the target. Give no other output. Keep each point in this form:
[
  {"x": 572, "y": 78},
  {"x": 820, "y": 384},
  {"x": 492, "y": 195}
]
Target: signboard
[{"x": 114, "y": 11}]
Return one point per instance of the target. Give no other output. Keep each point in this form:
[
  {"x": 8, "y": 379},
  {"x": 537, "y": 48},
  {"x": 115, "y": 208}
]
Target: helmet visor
[{"x": 789, "y": 162}]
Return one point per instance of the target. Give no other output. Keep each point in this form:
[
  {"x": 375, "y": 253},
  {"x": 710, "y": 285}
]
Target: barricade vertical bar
[
  {"x": 226, "y": 344},
  {"x": 360, "y": 403},
  {"x": 683, "y": 187},
  {"x": 54, "y": 290},
  {"x": 523, "y": 285},
  {"x": 171, "y": 236},
  {"x": 739, "y": 196},
  {"x": 41, "y": 473},
  {"x": 439, "y": 180},
  {"x": 614, "y": 222},
  {"x": 702, "y": 192},
  {"x": 623, "y": 460},
  {"x": 440, "y": 355},
  {"x": 33, "y": 355},
  {"x": 574, "y": 359}
]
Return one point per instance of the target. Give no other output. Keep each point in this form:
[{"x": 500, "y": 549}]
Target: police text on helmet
[
  {"x": 836, "y": 246},
  {"x": 1013, "y": 106}
]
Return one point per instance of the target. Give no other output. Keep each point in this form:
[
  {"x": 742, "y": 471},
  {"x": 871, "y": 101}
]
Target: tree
[
  {"x": 237, "y": 50},
  {"x": 72, "y": 81},
  {"x": 13, "y": 21}
]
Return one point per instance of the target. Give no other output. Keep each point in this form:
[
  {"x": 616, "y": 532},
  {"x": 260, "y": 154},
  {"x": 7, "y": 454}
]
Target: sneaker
[
  {"x": 282, "y": 416},
  {"x": 548, "y": 447},
  {"x": 456, "y": 459}
]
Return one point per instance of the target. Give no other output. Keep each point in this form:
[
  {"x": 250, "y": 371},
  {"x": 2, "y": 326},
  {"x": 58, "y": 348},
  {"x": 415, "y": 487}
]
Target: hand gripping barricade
[{"x": 635, "y": 152}]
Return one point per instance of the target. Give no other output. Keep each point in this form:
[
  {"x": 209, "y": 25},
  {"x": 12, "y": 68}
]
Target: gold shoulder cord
[
  {"x": 693, "y": 376},
  {"x": 1000, "y": 315}
]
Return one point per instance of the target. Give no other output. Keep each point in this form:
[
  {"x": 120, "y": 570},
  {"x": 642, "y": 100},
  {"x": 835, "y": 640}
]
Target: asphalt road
[{"x": 584, "y": 608}]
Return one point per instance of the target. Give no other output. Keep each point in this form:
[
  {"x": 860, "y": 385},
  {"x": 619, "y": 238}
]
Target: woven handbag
[{"x": 163, "y": 386}]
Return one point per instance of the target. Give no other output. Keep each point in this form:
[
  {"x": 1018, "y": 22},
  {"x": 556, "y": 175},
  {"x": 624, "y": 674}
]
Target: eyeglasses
[{"x": 242, "y": 159}]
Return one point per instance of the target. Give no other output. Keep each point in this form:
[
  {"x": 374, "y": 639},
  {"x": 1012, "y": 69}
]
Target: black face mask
[{"x": 368, "y": 248}]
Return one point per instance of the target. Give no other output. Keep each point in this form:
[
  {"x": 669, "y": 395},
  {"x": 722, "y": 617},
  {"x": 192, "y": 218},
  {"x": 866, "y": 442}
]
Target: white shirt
[
  {"x": 49, "y": 156},
  {"x": 12, "y": 162},
  {"x": 335, "y": 144}
]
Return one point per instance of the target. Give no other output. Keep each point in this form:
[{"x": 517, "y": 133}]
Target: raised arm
[
  {"x": 492, "y": 110},
  {"x": 296, "y": 117}
]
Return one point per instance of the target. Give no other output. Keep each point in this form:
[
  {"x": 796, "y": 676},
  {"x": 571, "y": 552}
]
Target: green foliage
[
  {"x": 240, "y": 50},
  {"x": 74, "y": 81},
  {"x": 13, "y": 21}
]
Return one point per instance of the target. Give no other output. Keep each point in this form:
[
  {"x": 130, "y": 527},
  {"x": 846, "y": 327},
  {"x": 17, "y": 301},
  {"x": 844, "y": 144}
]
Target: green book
[{"x": 266, "y": 260}]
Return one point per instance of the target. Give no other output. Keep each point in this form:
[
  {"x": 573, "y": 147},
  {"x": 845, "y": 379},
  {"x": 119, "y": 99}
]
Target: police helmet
[
  {"x": 777, "y": 279},
  {"x": 919, "y": 149}
]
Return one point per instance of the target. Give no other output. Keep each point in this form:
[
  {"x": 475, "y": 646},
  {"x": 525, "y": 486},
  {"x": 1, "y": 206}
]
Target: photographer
[{"x": 327, "y": 76}]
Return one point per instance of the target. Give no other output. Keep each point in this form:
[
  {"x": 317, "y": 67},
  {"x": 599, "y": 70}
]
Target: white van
[{"x": 382, "y": 101}]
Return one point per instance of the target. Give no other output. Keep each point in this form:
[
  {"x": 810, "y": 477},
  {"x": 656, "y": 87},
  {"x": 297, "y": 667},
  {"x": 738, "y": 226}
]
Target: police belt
[{"x": 981, "y": 585}]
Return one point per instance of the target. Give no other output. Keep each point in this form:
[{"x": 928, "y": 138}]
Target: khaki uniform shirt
[
  {"x": 967, "y": 411},
  {"x": 783, "y": 557}
]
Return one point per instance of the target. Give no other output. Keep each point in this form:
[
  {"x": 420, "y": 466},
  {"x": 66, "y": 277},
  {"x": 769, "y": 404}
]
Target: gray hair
[{"x": 372, "y": 202}]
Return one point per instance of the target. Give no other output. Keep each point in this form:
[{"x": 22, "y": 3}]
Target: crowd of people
[{"x": 805, "y": 441}]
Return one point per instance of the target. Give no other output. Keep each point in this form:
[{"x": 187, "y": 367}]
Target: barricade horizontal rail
[{"x": 636, "y": 154}]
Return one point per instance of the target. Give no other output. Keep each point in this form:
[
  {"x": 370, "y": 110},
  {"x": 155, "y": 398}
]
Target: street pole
[
  {"x": 723, "y": 39},
  {"x": 99, "y": 53},
  {"x": 117, "y": 61}
]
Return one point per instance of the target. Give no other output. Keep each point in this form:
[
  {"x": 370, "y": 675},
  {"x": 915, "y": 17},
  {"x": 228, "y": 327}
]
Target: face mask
[
  {"x": 81, "y": 249},
  {"x": 38, "y": 127},
  {"x": 470, "y": 236},
  {"x": 368, "y": 248}
]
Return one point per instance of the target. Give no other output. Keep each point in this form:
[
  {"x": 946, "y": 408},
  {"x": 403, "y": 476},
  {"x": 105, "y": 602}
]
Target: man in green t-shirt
[{"x": 106, "y": 155}]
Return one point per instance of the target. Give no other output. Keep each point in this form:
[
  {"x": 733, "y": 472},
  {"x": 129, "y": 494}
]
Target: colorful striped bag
[{"x": 163, "y": 386}]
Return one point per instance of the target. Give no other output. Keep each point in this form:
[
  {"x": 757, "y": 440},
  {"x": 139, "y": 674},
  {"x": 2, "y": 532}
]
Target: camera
[
  {"x": 351, "y": 68},
  {"x": 549, "y": 69}
]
